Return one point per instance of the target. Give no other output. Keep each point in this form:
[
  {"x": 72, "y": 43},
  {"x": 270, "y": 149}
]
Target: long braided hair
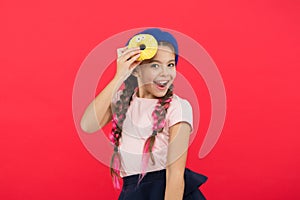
[{"x": 119, "y": 114}]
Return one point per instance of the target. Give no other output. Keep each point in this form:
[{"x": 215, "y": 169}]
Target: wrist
[
  {"x": 117, "y": 81},
  {"x": 120, "y": 78}
]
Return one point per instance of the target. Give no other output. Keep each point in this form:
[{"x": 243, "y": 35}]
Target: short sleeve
[{"x": 180, "y": 110}]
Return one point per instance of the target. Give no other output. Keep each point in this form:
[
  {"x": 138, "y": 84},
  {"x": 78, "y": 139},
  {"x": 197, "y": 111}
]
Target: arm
[
  {"x": 177, "y": 154},
  {"x": 98, "y": 113}
]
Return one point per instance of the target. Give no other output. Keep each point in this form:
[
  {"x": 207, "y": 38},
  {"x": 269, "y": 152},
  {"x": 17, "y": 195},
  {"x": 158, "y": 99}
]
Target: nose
[{"x": 164, "y": 70}]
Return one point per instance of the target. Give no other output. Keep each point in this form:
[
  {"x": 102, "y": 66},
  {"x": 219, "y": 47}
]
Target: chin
[{"x": 160, "y": 93}]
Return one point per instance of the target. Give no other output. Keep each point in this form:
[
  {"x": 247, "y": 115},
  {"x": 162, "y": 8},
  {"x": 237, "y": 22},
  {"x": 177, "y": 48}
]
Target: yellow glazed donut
[{"x": 147, "y": 44}]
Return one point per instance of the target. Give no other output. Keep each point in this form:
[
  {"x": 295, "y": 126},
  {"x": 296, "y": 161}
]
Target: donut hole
[{"x": 142, "y": 47}]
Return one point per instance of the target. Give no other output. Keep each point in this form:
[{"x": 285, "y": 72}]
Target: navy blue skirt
[{"x": 152, "y": 186}]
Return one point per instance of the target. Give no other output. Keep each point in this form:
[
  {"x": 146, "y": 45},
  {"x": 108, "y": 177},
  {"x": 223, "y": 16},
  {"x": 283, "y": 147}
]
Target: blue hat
[{"x": 162, "y": 36}]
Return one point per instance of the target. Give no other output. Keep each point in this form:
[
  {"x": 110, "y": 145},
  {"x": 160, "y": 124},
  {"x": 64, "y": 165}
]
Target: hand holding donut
[
  {"x": 127, "y": 61},
  {"x": 140, "y": 47}
]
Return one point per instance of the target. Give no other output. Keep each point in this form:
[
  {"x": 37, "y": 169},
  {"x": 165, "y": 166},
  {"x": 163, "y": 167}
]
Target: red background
[{"x": 255, "y": 45}]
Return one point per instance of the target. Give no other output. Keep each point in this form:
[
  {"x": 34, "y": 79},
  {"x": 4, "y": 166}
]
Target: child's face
[{"x": 157, "y": 74}]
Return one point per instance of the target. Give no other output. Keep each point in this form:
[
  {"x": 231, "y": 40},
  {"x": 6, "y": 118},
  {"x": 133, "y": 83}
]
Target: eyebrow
[{"x": 151, "y": 61}]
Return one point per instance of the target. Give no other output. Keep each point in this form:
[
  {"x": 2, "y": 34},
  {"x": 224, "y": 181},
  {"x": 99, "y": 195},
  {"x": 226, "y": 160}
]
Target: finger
[
  {"x": 133, "y": 59},
  {"x": 129, "y": 50},
  {"x": 134, "y": 65},
  {"x": 120, "y": 51},
  {"x": 129, "y": 56}
]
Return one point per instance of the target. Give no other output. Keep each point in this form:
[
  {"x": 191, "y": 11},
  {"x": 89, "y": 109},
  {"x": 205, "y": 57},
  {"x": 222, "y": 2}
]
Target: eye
[
  {"x": 171, "y": 65},
  {"x": 155, "y": 65},
  {"x": 138, "y": 39}
]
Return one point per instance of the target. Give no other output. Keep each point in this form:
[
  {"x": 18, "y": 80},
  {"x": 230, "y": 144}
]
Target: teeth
[{"x": 163, "y": 83}]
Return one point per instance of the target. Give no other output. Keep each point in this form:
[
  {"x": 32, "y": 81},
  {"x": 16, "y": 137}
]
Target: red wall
[{"x": 255, "y": 45}]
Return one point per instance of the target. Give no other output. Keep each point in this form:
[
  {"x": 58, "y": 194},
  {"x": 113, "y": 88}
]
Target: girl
[{"x": 150, "y": 125}]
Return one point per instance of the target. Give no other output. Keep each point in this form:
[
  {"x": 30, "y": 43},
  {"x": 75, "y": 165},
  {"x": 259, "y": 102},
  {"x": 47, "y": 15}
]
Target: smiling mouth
[{"x": 161, "y": 84}]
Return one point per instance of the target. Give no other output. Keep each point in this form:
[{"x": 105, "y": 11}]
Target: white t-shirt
[{"x": 137, "y": 127}]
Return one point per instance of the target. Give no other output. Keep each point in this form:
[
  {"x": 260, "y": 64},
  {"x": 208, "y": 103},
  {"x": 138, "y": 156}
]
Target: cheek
[
  {"x": 173, "y": 74},
  {"x": 148, "y": 77}
]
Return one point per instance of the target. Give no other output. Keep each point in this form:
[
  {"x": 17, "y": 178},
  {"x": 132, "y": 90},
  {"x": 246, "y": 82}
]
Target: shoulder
[
  {"x": 180, "y": 110},
  {"x": 180, "y": 103}
]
